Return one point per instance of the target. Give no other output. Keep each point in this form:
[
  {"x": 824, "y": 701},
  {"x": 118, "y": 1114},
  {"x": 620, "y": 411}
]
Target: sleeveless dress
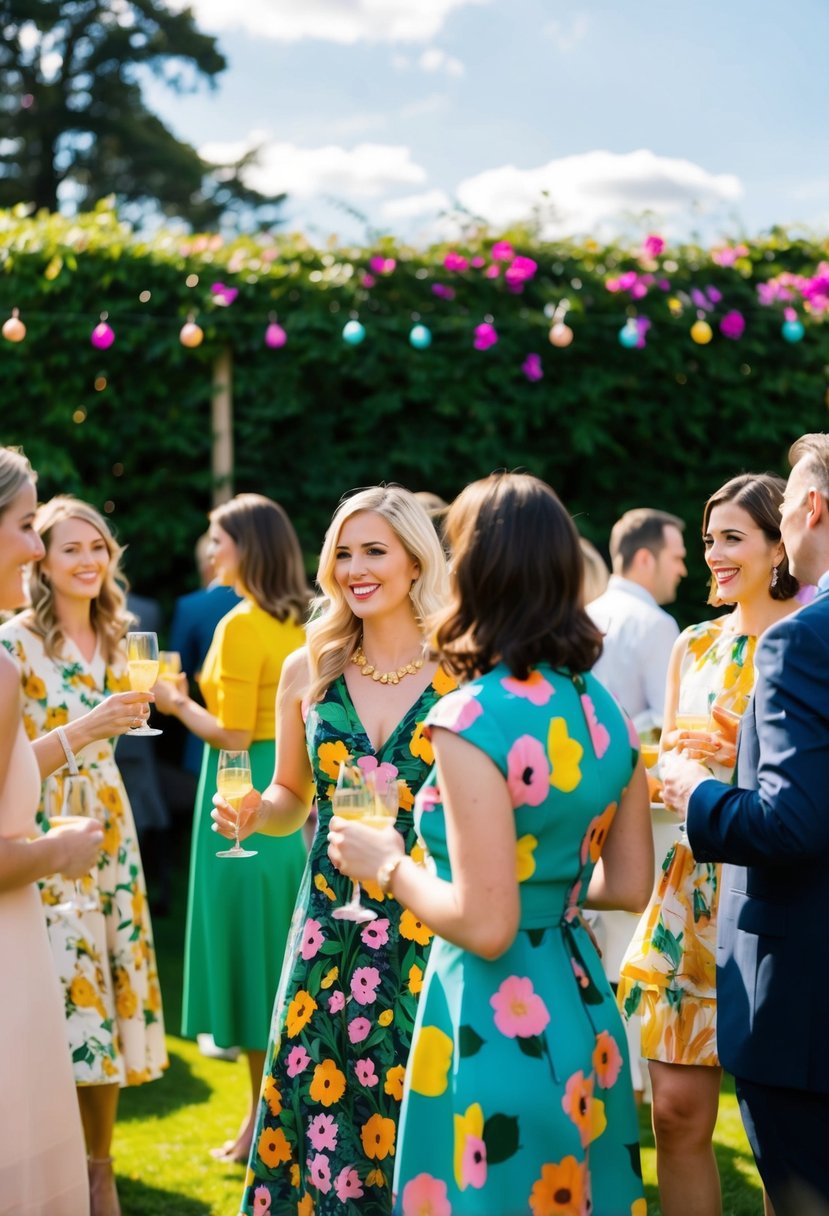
[
  {"x": 668, "y": 974},
  {"x": 105, "y": 960},
  {"x": 239, "y": 912},
  {"x": 343, "y": 1017},
  {"x": 518, "y": 1095},
  {"x": 42, "y": 1155}
]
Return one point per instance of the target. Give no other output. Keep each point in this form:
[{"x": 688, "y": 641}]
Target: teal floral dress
[
  {"x": 326, "y": 1131},
  {"x": 518, "y": 1096}
]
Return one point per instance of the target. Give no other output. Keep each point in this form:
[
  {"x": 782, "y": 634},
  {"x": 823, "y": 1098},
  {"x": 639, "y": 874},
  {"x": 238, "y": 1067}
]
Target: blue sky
[{"x": 709, "y": 115}]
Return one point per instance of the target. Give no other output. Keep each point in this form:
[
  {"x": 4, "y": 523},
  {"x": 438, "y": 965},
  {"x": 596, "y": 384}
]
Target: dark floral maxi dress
[{"x": 344, "y": 1012}]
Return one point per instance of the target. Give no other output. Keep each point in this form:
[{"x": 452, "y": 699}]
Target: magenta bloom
[
  {"x": 653, "y": 245},
  {"x": 423, "y": 1193},
  {"x": 519, "y": 1010},
  {"x": 368, "y": 280},
  {"x": 733, "y": 325},
  {"x": 478, "y": 262},
  {"x": 359, "y": 1029},
  {"x": 224, "y": 295},
  {"x": 323, "y": 1132},
  {"x": 312, "y": 939},
  {"x": 336, "y": 1002},
  {"x": 473, "y": 1163},
  {"x": 519, "y": 272},
  {"x": 599, "y": 734},
  {"x": 381, "y": 265},
  {"x": 532, "y": 369},
  {"x": 347, "y": 1184},
  {"x": 502, "y": 251},
  {"x": 320, "y": 1173},
  {"x": 485, "y": 336},
  {"x": 366, "y": 1073},
  {"x": 457, "y": 711},
  {"x": 535, "y": 688},
  {"x": 528, "y": 772},
  {"x": 455, "y": 261},
  {"x": 364, "y": 984},
  {"x": 298, "y": 1059},
  {"x": 443, "y": 292},
  {"x": 375, "y": 934},
  {"x": 492, "y": 272}
]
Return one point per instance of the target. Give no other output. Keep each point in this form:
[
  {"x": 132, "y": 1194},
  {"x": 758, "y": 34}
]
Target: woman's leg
[
  {"x": 239, "y": 1149},
  {"x": 99, "y": 1106},
  {"x": 685, "y": 1103}
]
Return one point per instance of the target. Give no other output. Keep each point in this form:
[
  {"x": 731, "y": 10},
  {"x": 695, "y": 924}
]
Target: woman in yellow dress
[{"x": 668, "y": 973}]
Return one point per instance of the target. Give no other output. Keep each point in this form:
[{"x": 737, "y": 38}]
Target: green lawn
[{"x": 165, "y": 1129}]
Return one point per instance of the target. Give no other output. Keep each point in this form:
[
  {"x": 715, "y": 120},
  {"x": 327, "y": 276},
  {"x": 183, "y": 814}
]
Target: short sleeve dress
[
  {"x": 668, "y": 973},
  {"x": 105, "y": 960},
  {"x": 518, "y": 1095}
]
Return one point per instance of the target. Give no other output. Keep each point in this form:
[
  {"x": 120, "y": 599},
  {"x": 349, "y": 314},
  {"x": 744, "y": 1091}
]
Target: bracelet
[
  {"x": 386, "y": 872},
  {"x": 67, "y": 750}
]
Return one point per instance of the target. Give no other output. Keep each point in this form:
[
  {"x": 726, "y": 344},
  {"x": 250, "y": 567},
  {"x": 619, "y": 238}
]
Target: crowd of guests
[{"x": 428, "y": 1023}]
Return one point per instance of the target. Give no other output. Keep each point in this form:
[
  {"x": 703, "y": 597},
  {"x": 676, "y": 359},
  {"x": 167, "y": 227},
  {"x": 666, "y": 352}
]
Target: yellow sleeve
[{"x": 238, "y": 676}]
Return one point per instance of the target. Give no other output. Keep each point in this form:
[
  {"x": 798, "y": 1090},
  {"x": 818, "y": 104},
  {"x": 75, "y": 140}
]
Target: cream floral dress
[{"x": 105, "y": 959}]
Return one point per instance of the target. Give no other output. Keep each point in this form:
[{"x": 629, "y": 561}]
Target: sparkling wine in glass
[
  {"x": 142, "y": 666},
  {"x": 169, "y": 664},
  {"x": 76, "y": 804},
  {"x": 233, "y": 781},
  {"x": 353, "y": 799}
]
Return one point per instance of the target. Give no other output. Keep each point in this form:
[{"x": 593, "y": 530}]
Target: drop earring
[{"x": 774, "y": 577}]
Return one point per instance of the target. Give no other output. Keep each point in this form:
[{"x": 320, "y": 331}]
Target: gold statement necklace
[{"x": 384, "y": 677}]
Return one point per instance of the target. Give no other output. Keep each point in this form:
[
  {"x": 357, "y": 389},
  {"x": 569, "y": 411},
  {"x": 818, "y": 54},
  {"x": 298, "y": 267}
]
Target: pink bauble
[
  {"x": 560, "y": 334},
  {"x": 102, "y": 336},
  {"x": 14, "y": 330},
  {"x": 191, "y": 335},
  {"x": 275, "y": 336}
]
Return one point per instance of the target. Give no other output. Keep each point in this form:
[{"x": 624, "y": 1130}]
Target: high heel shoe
[{"x": 103, "y": 1194}]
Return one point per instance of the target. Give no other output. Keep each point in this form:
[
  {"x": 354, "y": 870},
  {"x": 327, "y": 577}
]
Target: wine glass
[
  {"x": 169, "y": 664},
  {"x": 142, "y": 666},
  {"x": 353, "y": 799},
  {"x": 383, "y": 785},
  {"x": 233, "y": 781},
  {"x": 76, "y": 804}
]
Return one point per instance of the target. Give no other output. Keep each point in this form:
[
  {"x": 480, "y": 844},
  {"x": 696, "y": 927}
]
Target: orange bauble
[
  {"x": 191, "y": 335},
  {"x": 14, "y": 330}
]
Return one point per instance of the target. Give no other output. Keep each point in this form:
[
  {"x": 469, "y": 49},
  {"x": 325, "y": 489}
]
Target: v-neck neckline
[{"x": 352, "y": 709}]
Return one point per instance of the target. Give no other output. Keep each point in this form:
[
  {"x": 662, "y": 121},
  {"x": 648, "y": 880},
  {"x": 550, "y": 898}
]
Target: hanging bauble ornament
[
  {"x": 353, "y": 332},
  {"x": 701, "y": 333},
  {"x": 191, "y": 334},
  {"x": 629, "y": 334},
  {"x": 560, "y": 334},
  {"x": 102, "y": 336},
  {"x": 420, "y": 337},
  {"x": 792, "y": 330},
  {"x": 275, "y": 336},
  {"x": 13, "y": 329}
]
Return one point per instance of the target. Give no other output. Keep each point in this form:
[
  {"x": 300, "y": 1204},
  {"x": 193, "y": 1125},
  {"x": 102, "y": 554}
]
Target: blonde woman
[
  {"x": 357, "y": 693},
  {"x": 69, "y": 648}
]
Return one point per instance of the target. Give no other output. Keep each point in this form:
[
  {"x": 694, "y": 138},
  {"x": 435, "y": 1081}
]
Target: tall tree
[{"x": 72, "y": 114}]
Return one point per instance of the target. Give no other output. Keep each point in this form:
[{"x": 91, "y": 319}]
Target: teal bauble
[
  {"x": 792, "y": 331},
  {"x": 629, "y": 335},
  {"x": 353, "y": 333},
  {"x": 420, "y": 337}
]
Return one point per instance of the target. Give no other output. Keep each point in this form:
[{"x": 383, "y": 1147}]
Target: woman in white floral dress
[{"x": 69, "y": 646}]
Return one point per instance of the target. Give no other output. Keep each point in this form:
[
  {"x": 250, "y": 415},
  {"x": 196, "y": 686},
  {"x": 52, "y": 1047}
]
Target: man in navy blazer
[{"x": 772, "y": 828}]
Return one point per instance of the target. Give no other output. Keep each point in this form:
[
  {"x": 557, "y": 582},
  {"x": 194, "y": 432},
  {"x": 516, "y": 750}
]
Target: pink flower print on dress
[
  {"x": 528, "y": 772},
  {"x": 635, "y": 741},
  {"x": 336, "y": 1002},
  {"x": 375, "y": 934},
  {"x": 424, "y": 1195},
  {"x": 261, "y": 1201},
  {"x": 428, "y": 798},
  {"x": 473, "y": 1163},
  {"x": 599, "y": 734},
  {"x": 347, "y": 1184},
  {"x": 364, "y": 984},
  {"x": 456, "y": 711},
  {"x": 312, "y": 939},
  {"x": 358, "y": 1029},
  {"x": 366, "y": 1073},
  {"x": 534, "y": 689},
  {"x": 519, "y": 1010},
  {"x": 298, "y": 1059},
  {"x": 320, "y": 1170},
  {"x": 607, "y": 1059},
  {"x": 323, "y": 1132}
]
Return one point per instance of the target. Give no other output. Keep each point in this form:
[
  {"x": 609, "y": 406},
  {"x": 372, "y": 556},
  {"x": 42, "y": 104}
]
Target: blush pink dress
[{"x": 42, "y": 1158}]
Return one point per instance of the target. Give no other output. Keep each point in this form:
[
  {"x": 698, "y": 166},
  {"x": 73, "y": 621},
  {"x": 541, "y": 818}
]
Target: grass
[{"x": 165, "y": 1129}]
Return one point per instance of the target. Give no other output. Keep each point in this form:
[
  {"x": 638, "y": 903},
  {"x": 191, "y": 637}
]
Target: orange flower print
[
  {"x": 525, "y": 847},
  {"x": 377, "y": 1135},
  {"x": 413, "y": 929},
  {"x": 607, "y": 1059},
  {"x": 394, "y": 1082},
  {"x": 271, "y": 1094},
  {"x": 560, "y": 1190},
  {"x": 321, "y": 883},
  {"x": 28, "y": 725},
  {"x": 430, "y": 1061},
  {"x": 56, "y": 715},
  {"x": 82, "y": 993},
  {"x": 596, "y": 835},
  {"x": 565, "y": 755},
  {"x": 117, "y": 682},
  {"x": 415, "y": 979},
  {"x": 405, "y": 795},
  {"x": 34, "y": 688},
  {"x": 110, "y": 797},
  {"x": 126, "y": 1003},
  {"x": 329, "y": 978},
  {"x": 273, "y": 1147},
  {"x": 300, "y": 1011},
  {"x": 328, "y": 1084},
  {"x": 331, "y": 756},
  {"x": 375, "y": 1178},
  {"x": 305, "y": 1207},
  {"x": 585, "y": 1111},
  {"x": 421, "y": 747},
  {"x": 443, "y": 682}
]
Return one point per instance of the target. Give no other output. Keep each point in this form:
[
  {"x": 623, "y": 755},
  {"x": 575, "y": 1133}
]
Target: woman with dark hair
[
  {"x": 668, "y": 973},
  {"x": 518, "y": 1092},
  {"x": 239, "y": 913}
]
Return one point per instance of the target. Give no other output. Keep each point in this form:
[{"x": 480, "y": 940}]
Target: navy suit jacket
[{"x": 772, "y": 829}]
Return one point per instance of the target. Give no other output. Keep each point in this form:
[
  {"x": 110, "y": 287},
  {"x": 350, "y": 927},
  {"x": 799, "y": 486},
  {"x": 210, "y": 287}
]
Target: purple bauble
[
  {"x": 275, "y": 336},
  {"x": 102, "y": 336}
]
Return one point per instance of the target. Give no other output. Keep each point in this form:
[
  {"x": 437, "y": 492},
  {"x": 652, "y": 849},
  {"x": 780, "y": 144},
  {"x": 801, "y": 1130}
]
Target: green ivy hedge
[{"x": 608, "y": 427}]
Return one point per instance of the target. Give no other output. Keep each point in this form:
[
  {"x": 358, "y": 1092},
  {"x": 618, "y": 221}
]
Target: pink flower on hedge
[
  {"x": 455, "y": 261},
  {"x": 424, "y": 1195},
  {"x": 534, "y": 689},
  {"x": 298, "y": 1059},
  {"x": 478, "y": 262},
  {"x": 486, "y": 335},
  {"x": 653, "y": 245},
  {"x": 336, "y": 1002},
  {"x": 532, "y": 369},
  {"x": 320, "y": 1169},
  {"x": 364, "y": 984},
  {"x": 323, "y": 1132},
  {"x": 224, "y": 295},
  {"x": 733, "y": 325},
  {"x": 358, "y": 1029},
  {"x": 312, "y": 939},
  {"x": 528, "y": 772},
  {"x": 457, "y": 711},
  {"x": 381, "y": 265},
  {"x": 502, "y": 251},
  {"x": 519, "y": 1010},
  {"x": 442, "y": 291},
  {"x": 347, "y": 1184},
  {"x": 375, "y": 933},
  {"x": 368, "y": 280},
  {"x": 492, "y": 272},
  {"x": 366, "y": 1073},
  {"x": 599, "y": 734}
]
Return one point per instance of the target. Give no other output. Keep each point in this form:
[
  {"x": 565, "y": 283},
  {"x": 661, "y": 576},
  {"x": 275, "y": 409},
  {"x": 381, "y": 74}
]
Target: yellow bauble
[
  {"x": 191, "y": 335},
  {"x": 702, "y": 333}
]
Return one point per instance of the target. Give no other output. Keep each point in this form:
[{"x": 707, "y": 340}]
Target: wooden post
[{"x": 222, "y": 419}]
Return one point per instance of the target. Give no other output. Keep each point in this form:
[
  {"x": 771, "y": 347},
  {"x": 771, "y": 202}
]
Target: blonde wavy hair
[
  {"x": 110, "y": 618},
  {"x": 15, "y": 471},
  {"x": 334, "y": 630}
]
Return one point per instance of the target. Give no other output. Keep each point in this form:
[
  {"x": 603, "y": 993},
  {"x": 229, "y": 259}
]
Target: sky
[{"x": 596, "y": 117}]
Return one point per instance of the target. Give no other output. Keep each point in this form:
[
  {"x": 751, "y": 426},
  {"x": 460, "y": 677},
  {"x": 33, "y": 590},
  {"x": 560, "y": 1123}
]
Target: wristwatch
[{"x": 386, "y": 872}]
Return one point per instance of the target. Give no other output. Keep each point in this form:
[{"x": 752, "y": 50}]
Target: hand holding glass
[
  {"x": 142, "y": 666},
  {"x": 76, "y": 804},
  {"x": 233, "y": 782}
]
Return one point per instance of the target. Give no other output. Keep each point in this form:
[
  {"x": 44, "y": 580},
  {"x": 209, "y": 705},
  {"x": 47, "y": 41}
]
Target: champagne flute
[
  {"x": 76, "y": 804},
  {"x": 383, "y": 786},
  {"x": 142, "y": 666},
  {"x": 353, "y": 800},
  {"x": 169, "y": 664},
  {"x": 233, "y": 781}
]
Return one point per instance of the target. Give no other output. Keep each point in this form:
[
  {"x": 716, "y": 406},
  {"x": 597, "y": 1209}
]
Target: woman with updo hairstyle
[{"x": 517, "y": 1094}]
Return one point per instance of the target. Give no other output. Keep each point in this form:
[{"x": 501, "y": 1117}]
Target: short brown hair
[
  {"x": 760, "y": 496},
  {"x": 814, "y": 447},
  {"x": 270, "y": 559},
  {"x": 517, "y": 582},
  {"x": 640, "y": 528}
]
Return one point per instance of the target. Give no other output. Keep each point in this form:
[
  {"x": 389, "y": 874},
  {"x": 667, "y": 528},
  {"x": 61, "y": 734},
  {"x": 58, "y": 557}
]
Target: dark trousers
[{"x": 788, "y": 1130}]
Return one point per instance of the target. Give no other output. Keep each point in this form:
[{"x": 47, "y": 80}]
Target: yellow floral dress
[
  {"x": 105, "y": 959},
  {"x": 668, "y": 974}
]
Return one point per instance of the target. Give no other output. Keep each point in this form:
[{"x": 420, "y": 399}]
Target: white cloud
[
  {"x": 429, "y": 203},
  {"x": 582, "y": 193},
  {"x": 565, "y": 35},
  {"x": 364, "y": 171},
  {"x": 436, "y": 60},
  {"x": 433, "y": 103},
  {"x": 343, "y": 21}
]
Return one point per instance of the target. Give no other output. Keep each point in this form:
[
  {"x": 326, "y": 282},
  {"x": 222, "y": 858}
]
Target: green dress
[
  {"x": 342, "y": 1024},
  {"x": 518, "y": 1095}
]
